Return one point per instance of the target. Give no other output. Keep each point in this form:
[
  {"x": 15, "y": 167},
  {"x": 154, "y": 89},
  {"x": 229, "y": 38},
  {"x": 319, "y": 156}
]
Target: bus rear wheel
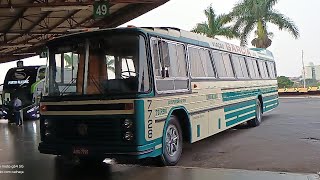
[
  {"x": 258, "y": 117},
  {"x": 172, "y": 143}
]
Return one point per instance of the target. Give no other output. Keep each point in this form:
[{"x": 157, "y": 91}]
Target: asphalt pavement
[{"x": 288, "y": 140}]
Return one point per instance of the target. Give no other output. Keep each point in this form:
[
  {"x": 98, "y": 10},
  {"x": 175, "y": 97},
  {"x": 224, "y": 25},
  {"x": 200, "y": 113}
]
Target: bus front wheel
[
  {"x": 258, "y": 117},
  {"x": 172, "y": 143}
]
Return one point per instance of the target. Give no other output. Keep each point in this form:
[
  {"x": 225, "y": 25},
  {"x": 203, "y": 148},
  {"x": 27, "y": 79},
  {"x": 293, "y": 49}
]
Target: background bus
[
  {"x": 143, "y": 92},
  {"x": 26, "y": 82}
]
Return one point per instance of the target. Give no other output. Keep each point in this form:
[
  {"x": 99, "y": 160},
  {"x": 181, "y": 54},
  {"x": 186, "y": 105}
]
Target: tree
[
  {"x": 284, "y": 82},
  {"x": 248, "y": 15},
  {"x": 215, "y": 25},
  {"x": 69, "y": 61},
  {"x": 110, "y": 64}
]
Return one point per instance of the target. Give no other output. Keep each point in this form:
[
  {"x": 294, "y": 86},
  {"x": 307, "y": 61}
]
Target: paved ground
[{"x": 288, "y": 140}]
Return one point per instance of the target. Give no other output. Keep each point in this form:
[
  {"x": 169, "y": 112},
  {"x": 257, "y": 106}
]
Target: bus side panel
[
  {"x": 199, "y": 126},
  {"x": 241, "y": 112},
  {"x": 210, "y": 110},
  {"x": 216, "y": 121},
  {"x": 270, "y": 99}
]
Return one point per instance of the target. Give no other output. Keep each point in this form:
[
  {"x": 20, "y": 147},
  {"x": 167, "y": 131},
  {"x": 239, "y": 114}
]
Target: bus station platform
[{"x": 20, "y": 159}]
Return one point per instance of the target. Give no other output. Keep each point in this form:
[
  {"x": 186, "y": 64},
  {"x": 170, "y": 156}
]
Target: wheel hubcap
[{"x": 172, "y": 140}]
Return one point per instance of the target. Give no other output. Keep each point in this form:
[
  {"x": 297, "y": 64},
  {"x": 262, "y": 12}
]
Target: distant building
[
  {"x": 312, "y": 71},
  {"x": 317, "y": 72},
  {"x": 309, "y": 72}
]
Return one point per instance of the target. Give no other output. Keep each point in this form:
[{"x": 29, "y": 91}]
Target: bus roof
[
  {"x": 187, "y": 37},
  {"x": 201, "y": 40},
  {"x": 264, "y": 53},
  {"x": 26, "y": 67}
]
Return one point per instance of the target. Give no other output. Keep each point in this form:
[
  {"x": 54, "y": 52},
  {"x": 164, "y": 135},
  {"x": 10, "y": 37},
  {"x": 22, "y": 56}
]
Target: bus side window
[
  {"x": 263, "y": 69},
  {"x": 265, "y": 64},
  {"x": 223, "y": 65},
  {"x": 156, "y": 58},
  {"x": 170, "y": 66},
  {"x": 271, "y": 70},
  {"x": 162, "y": 83},
  {"x": 196, "y": 66},
  {"x": 228, "y": 65},
  {"x": 237, "y": 66},
  {"x": 219, "y": 65}
]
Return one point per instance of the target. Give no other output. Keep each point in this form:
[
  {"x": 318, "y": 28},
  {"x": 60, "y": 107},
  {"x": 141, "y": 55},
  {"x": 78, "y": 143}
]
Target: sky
[{"x": 185, "y": 14}]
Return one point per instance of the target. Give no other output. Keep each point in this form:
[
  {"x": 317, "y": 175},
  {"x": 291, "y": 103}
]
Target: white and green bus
[{"x": 137, "y": 93}]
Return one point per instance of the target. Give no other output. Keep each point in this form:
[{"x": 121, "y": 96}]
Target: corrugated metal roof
[{"x": 25, "y": 26}]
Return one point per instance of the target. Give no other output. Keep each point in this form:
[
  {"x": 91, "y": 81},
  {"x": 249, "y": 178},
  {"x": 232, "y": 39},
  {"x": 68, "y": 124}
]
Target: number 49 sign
[{"x": 100, "y": 9}]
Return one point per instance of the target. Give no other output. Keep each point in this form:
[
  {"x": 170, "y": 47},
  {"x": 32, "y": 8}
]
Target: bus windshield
[{"x": 100, "y": 65}]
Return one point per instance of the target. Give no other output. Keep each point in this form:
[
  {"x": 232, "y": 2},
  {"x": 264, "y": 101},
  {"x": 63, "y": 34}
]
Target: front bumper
[{"x": 106, "y": 151}]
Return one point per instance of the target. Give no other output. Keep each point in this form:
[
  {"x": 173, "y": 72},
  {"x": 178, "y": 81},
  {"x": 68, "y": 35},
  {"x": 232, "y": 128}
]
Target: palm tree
[
  {"x": 215, "y": 25},
  {"x": 110, "y": 64},
  {"x": 70, "y": 61},
  {"x": 251, "y": 14}
]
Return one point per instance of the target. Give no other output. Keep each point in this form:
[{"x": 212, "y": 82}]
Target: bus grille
[{"x": 93, "y": 130}]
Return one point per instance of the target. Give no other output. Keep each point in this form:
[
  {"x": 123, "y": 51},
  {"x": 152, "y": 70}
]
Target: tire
[
  {"x": 258, "y": 118},
  {"x": 172, "y": 143}
]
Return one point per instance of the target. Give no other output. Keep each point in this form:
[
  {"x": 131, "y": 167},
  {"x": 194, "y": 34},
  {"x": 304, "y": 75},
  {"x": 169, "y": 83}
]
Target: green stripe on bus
[
  {"x": 228, "y": 96},
  {"x": 240, "y": 119},
  {"x": 198, "y": 130},
  {"x": 270, "y": 102},
  {"x": 239, "y": 105},
  {"x": 140, "y": 121},
  {"x": 237, "y": 113},
  {"x": 271, "y": 107},
  {"x": 270, "y": 97}
]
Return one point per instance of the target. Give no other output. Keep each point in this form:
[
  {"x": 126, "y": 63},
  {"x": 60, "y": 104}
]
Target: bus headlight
[
  {"x": 128, "y": 136},
  {"x": 127, "y": 123}
]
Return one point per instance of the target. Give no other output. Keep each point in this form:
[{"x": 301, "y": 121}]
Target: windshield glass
[{"x": 100, "y": 65}]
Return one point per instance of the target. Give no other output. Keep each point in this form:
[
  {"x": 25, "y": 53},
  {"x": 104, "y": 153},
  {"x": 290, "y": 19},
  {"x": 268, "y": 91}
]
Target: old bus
[{"x": 143, "y": 92}]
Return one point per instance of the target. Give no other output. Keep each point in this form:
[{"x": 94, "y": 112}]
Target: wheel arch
[{"x": 184, "y": 119}]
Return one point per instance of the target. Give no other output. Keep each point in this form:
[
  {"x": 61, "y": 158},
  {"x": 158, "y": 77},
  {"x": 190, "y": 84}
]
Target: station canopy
[{"x": 25, "y": 25}]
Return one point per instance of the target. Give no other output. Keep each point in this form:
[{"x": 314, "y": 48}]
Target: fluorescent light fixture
[
  {"x": 83, "y": 29},
  {"x": 16, "y": 46},
  {"x": 64, "y": 8},
  {"x": 22, "y": 54}
]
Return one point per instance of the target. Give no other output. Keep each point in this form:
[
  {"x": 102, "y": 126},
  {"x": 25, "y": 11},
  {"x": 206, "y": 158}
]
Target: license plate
[{"x": 80, "y": 151}]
